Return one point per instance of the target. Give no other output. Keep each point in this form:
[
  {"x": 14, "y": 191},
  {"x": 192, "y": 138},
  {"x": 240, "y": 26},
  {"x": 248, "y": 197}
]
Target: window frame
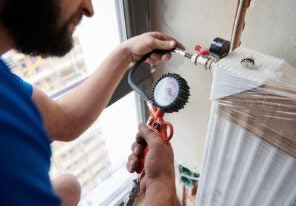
[{"x": 134, "y": 19}]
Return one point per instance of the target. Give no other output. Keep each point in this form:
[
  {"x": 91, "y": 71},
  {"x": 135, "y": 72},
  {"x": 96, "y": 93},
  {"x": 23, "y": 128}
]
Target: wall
[{"x": 269, "y": 27}]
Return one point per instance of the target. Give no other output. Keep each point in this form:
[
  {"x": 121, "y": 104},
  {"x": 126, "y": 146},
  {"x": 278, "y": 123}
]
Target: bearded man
[{"x": 30, "y": 120}]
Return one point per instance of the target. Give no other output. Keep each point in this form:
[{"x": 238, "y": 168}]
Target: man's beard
[{"x": 33, "y": 27}]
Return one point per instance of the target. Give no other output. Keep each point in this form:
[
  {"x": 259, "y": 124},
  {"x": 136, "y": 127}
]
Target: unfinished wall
[{"x": 269, "y": 27}]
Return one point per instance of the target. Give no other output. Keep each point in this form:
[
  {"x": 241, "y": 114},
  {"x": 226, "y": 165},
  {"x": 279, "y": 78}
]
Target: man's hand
[
  {"x": 69, "y": 116},
  {"x": 159, "y": 180},
  {"x": 140, "y": 45}
]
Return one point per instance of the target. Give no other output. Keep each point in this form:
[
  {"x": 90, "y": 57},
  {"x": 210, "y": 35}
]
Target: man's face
[{"x": 36, "y": 28}]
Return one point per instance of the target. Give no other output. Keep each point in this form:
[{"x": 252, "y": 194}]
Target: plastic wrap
[{"x": 251, "y": 140}]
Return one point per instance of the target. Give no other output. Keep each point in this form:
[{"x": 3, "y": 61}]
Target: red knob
[{"x": 201, "y": 51}]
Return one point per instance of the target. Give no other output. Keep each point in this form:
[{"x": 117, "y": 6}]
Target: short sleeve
[{"x": 25, "y": 86}]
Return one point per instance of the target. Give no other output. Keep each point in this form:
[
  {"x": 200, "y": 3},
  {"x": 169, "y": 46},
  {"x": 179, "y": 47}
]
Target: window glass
[{"x": 99, "y": 155}]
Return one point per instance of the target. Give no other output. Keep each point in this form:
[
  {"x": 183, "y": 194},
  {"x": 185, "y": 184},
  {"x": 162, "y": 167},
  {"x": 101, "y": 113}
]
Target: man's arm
[
  {"x": 66, "y": 118},
  {"x": 159, "y": 180}
]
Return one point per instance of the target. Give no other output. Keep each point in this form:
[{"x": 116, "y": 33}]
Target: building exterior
[
  {"x": 86, "y": 157},
  {"x": 49, "y": 74}
]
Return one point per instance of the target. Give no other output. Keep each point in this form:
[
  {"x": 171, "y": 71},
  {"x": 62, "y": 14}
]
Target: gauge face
[{"x": 166, "y": 91}]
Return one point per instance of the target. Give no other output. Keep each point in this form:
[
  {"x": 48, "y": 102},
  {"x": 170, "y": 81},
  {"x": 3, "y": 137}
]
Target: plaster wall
[{"x": 269, "y": 27}]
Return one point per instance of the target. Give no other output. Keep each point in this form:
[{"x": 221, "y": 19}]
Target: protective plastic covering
[{"x": 250, "y": 149}]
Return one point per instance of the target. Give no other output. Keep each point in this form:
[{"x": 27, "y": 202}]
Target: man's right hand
[{"x": 159, "y": 180}]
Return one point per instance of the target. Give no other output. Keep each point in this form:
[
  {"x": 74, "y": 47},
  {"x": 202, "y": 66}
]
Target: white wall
[{"x": 270, "y": 28}]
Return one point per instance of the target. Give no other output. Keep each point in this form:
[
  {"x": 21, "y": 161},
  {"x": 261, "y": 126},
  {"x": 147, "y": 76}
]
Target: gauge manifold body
[{"x": 170, "y": 92}]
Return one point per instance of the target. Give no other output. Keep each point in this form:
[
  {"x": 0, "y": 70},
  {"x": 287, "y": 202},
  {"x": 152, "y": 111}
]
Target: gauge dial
[
  {"x": 166, "y": 91},
  {"x": 170, "y": 92}
]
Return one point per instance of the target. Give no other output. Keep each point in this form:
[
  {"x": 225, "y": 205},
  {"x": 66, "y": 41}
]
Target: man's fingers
[
  {"x": 165, "y": 45},
  {"x": 140, "y": 140},
  {"x": 149, "y": 136},
  {"x": 137, "y": 149},
  {"x": 169, "y": 41},
  {"x": 132, "y": 163},
  {"x": 156, "y": 58}
]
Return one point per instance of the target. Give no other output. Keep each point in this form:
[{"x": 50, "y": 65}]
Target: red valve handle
[
  {"x": 203, "y": 52},
  {"x": 160, "y": 127}
]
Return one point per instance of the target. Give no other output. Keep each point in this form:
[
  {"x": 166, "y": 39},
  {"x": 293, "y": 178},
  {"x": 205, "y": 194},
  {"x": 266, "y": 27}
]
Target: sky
[{"x": 99, "y": 34}]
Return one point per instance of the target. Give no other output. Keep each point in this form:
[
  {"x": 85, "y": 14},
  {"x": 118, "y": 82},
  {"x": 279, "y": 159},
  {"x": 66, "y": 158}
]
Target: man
[{"x": 45, "y": 27}]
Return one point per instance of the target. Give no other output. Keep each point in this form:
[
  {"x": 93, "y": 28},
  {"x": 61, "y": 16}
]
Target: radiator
[{"x": 250, "y": 149}]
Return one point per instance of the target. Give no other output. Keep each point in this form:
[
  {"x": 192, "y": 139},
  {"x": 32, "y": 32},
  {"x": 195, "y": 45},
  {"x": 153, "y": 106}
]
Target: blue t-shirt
[{"x": 24, "y": 146}]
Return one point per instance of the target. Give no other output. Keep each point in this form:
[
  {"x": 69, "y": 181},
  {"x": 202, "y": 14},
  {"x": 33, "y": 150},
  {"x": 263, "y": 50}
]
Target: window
[{"x": 99, "y": 155}]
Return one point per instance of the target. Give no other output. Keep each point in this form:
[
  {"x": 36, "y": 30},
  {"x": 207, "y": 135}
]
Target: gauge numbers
[{"x": 166, "y": 91}]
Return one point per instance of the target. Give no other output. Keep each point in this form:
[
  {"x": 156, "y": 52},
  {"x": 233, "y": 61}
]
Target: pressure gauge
[
  {"x": 219, "y": 48},
  {"x": 170, "y": 92}
]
